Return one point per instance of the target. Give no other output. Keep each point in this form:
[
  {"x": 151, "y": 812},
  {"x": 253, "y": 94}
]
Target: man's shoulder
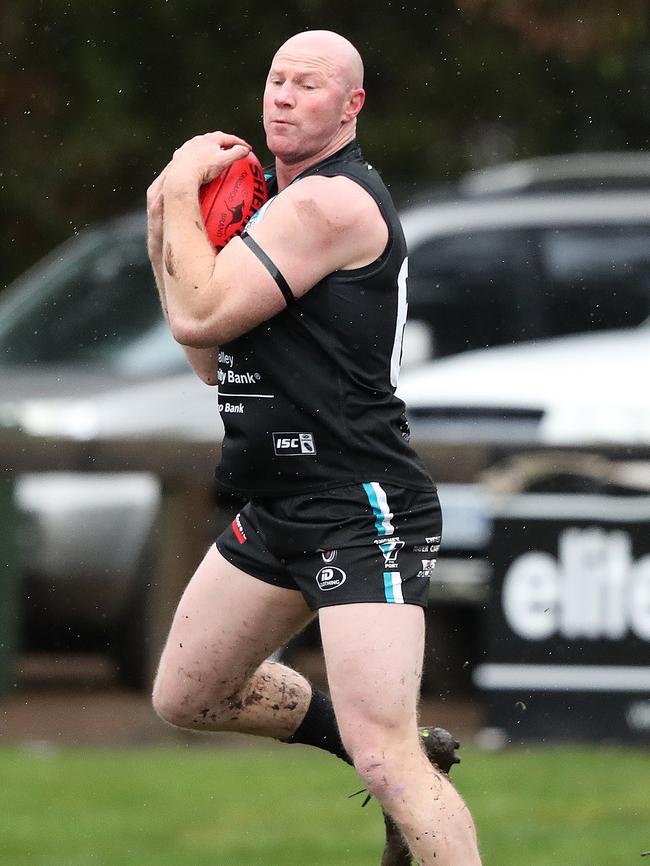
[{"x": 330, "y": 197}]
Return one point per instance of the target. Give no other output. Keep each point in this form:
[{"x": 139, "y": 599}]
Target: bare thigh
[
  {"x": 373, "y": 654},
  {"x": 374, "y": 658},
  {"x": 227, "y": 623}
]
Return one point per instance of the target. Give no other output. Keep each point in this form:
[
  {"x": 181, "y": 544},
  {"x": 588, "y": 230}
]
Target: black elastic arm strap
[{"x": 282, "y": 284}]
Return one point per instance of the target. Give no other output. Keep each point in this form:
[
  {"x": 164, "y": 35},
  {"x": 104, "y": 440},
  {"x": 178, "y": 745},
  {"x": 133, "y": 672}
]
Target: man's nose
[{"x": 284, "y": 95}]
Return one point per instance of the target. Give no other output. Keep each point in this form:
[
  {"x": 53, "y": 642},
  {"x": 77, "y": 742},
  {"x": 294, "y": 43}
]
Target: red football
[{"x": 231, "y": 199}]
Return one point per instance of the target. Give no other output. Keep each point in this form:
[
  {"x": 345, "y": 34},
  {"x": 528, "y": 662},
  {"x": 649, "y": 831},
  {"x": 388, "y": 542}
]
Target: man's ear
[{"x": 355, "y": 102}]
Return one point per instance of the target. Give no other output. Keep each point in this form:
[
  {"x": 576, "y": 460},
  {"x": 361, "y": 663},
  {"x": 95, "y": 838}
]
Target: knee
[
  {"x": 380, "y": 773},
  {"x": 170, "y": 706},
  {"x": 184, "y": 704},
  {"x": 171, "y": 703},
  {"x": 384, "y": 757},
  {"x": 376, "y": 759}
]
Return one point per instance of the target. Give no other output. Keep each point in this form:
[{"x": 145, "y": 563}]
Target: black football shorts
[{"x": 367, "y": 542}]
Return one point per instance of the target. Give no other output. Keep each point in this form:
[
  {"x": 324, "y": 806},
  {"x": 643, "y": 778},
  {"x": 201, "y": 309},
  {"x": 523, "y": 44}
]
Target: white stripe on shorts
[
  {"x": 393, "y": 587},
  {"x": 383, "y": 514}
]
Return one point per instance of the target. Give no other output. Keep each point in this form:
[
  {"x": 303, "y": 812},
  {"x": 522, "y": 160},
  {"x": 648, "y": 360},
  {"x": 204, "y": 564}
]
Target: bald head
[
  {"x": 342, "y": 58},
  {"x": 312, "y": 97}
]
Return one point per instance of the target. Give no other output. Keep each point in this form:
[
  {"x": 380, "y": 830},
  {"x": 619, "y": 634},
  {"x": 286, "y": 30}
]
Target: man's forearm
[
  {"x": 187, "y": 256},
  {"x": 204, "y": 362},
  {"x": 154, "y": 246}
]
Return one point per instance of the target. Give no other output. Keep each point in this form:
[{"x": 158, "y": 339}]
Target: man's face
[{"x": 305, "y": 101}]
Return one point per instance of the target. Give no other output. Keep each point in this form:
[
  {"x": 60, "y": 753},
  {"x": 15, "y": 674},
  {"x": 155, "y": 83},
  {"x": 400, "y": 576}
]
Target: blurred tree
[
  {"x": 95, "y": 97},
  {"x": 576, "y": 30}
]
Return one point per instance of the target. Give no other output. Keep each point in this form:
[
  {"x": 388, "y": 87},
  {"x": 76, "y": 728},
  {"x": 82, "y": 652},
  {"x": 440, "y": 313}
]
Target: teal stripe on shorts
[
  {"x": 393, "y": 587},
  {"x": 379, "y": 504}
]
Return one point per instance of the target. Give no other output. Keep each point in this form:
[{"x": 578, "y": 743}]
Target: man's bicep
[
  {"x": 296, "y": 239},
  {"x": 281, "y": 256},
  {"x": 246, "y": 290},
  {"x": 285, "y": 254}
]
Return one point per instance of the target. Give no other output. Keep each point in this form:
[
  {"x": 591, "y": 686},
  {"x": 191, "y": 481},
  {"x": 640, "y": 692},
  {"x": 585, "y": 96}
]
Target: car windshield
[{"x": 95, "y": 306}]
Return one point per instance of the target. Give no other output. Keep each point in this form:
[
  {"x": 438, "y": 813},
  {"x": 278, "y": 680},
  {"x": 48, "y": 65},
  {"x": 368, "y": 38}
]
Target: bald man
[{"x": 305, "y": 313}]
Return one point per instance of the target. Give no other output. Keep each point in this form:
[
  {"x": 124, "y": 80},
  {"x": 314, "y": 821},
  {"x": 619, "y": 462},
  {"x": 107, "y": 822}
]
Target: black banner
[{"x": 567, "y": 627}]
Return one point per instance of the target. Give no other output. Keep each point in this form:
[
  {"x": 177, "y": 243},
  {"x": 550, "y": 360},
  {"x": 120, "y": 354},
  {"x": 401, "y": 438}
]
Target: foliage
[
  {"x": 95, "y": 96},
  {"x": 286, "y": 805},
  {"x": 573, "y": 30}
]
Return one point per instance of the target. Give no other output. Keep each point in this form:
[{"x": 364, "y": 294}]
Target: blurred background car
[
  {"x": 516, "y": 257},
  {"x": 494, "y": 270},
  {"x": 576, "y": 391},
  {"x": 562, "y": 172},
  {"x": 579, "y": 390},
  {"x": 85, "y": 353}
]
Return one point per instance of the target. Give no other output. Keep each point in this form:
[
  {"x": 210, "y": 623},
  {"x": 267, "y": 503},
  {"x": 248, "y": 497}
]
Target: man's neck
[{"x": 287, "y": 173}]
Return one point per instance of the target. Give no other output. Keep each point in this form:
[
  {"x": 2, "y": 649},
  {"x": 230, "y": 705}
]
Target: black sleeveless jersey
[{"x": 307, "y": 398}]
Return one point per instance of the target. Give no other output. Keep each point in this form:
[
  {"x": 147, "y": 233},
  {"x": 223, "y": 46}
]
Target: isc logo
[{"x": 293, "y": 444}]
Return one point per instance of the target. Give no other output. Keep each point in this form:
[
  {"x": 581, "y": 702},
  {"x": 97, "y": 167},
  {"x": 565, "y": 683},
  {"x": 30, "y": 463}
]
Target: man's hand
[
  {"x": 203, "y": 158},
  {"x": 204, "y": 360},
  {"x": 196, "y": 162}
]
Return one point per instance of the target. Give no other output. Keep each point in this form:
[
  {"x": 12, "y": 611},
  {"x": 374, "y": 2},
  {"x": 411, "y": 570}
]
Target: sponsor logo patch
[
  {"x": 237, "y": 213},
  {"x": 427, "y": 567},
  {"x": 330, "y": 577},
  {"x": 238, "y": 530},
  {"x": 293, "y": 444},
  {"x": 329, "y": 555},
  {"x": 432, "y": 545},
  {"x": 390, "y": 547}
]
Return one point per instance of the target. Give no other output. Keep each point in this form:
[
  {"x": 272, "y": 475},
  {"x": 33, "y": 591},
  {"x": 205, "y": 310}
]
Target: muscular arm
[
  {"x": 203, "y": 361},
  {"x": 314, "y": 227}
]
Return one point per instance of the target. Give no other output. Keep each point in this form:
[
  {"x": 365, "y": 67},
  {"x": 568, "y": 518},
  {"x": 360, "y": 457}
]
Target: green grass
[{"x": 190, "y": 806}]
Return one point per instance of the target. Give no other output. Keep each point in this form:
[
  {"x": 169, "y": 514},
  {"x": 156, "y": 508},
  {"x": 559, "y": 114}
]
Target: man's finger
[
  {"x": 228, "y": 140},
  {"x": 236, "y": 152}
]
